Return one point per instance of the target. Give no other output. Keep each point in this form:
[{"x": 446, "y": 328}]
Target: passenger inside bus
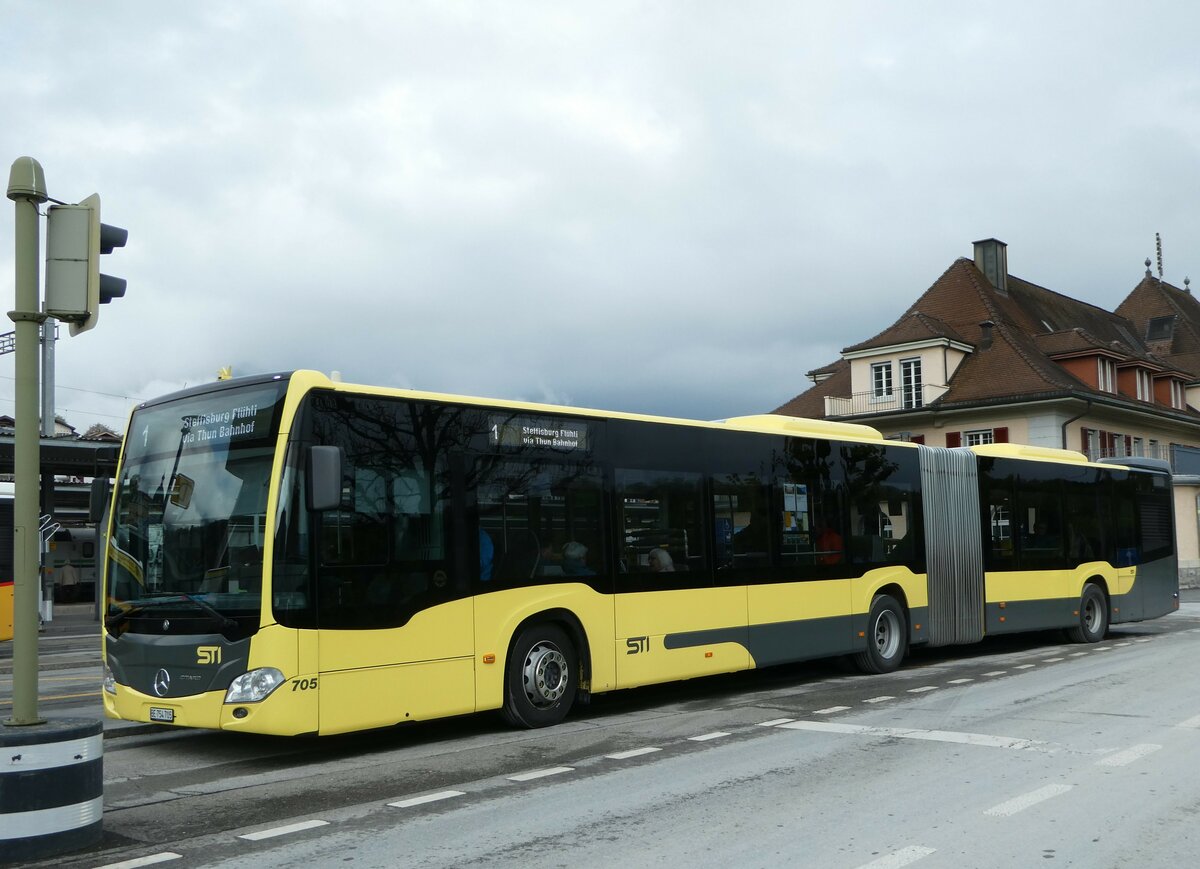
[
  {"x": 574, "y": 560},
  {"x": 660, "y": 561}
]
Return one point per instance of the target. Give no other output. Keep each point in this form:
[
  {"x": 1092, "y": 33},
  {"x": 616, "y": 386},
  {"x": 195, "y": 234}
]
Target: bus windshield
[{"x": 188, "y": 524}]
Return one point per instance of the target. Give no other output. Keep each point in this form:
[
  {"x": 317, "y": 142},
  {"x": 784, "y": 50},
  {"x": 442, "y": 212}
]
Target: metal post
[{"x": 27, "y": 188}]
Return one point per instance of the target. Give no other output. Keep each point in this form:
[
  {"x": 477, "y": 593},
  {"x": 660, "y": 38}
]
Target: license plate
[{"x": 157, "y": 714}]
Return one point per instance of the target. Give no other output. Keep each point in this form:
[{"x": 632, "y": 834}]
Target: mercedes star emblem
[
  {"x": 162, "y": 682},
  {"x": 166, "y": 625}
]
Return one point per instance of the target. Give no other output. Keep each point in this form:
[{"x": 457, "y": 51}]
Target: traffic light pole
[{"x": 27, "y": 188}]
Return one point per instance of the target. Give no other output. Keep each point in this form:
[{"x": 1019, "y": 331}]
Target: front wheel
[
  {"x": 1093, "y": 616},
  {"x": 541, "y": 678},
  {"x": 887, "y": 637}
]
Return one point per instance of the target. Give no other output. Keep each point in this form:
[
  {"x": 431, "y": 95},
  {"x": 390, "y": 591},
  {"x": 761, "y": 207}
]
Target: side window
[
  {"x": 812, "y": 518},
  {"x": 385, "y": 552},
  {"x": 996, "y": 482},
  {"x": 1156, "y": 532},
  {"x": 662, "y": 521},
  {"x": 1039, "y": 516},
  {"x": 539, "y": 521},
  {"x": 742, "y": 533},
  {"x": 881, "y": 485}
]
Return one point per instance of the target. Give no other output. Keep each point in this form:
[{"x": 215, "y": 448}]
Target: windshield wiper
[{"x": 226, "y": 623}]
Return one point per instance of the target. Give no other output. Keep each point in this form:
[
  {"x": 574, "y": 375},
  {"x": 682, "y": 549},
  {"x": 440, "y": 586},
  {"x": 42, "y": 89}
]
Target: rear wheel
[
  {"x": 542, "y": 677},
  {"x": 887, "y": 637},
  {"x": 1093, "y": 616}
]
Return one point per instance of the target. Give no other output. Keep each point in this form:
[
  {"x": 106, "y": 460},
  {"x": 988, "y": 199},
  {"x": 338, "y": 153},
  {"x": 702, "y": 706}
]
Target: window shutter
[
  {"x": 1084, "y": 440},
  {"x": 954, "y": 439},
  {"x": 1000, "y": 435},
  {"x": 918, "y": 439}
]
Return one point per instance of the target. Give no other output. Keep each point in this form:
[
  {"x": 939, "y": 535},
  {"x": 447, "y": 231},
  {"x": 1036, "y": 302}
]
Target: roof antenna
[{"x": 1158, "y": 245}]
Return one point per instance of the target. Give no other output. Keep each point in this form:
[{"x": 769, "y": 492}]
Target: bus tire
[
  {"x": 887, "y": 637},
  {"x": 541, "y": 678},
  {"x": 1093, "y": 616}
]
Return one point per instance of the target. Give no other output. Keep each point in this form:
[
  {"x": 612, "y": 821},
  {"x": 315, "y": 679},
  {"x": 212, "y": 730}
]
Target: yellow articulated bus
[{"x": 292, "y": 555}]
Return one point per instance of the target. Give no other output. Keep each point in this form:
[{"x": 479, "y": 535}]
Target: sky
[{"x": 657, "y": 207}]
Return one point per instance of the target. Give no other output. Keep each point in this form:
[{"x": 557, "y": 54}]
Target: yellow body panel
[
  {"x": 645, "y": 618},
  {"x": 499, "y": 614},
  {"x": 1035, "y": 585}
]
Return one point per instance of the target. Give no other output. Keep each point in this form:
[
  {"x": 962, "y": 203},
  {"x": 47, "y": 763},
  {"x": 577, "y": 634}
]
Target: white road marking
[
  {"x": 1024, "y": 666},
  {"x": 879, "y": 699},
  {"x": 831, "y": 710},
  {"x": 428, "y": 798},
  {"x": 1143, "y": 640},
  {"x": 960, "y": 681},
  {"x": 1053, "y": 660},
  {"x": 1017, "y": 804},
  {"x": 775, "y": 722},
  {"x": 900, "y": 858},
  {"x": 1102, "y": 648},
  {"x": 1077, "y": 654},
  {"x": 283, "y": 831},
  {"x": 1122, "y": 644},
  {"x": 996, "y": 673},
  {"x": 1129, "y": 755},
  {"x": 164, "y": 857},
  {"x": 1193, "y": 723},
  {"x": 705, "y": 737},
  {"x": 633, "y": 752},
  {"x": 541, "y": 773},
  {"x": 983, "y": 739},
  {"x": 922, "y": 689}
]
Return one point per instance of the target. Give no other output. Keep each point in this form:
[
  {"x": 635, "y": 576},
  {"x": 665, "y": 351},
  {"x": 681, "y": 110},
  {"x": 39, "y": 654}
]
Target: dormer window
[
  {"x": 1145, "y": 385},
  {"x": 1107, "y": 375}
]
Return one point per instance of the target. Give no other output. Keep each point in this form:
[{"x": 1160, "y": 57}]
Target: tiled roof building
[{"x": 983, "y": 356}]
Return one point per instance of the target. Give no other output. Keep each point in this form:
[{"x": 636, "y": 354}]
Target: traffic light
[{"x": 75, "y": 239}]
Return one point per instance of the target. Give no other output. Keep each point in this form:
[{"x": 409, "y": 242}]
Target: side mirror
[
  {"x": 324, "y": 478},
  {"x": 98, "y": 501}
]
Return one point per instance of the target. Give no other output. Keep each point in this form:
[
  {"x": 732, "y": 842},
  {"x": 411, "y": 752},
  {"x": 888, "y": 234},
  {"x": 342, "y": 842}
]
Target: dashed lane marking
[
  {"x": 879, "y": 699},
  {"x": 541, "y": 773},
  {"x": 1018, "y": 804},
  {"x": 922, "y": 689},
  {"x": 1024, "y": 666},
  {"x": 1053, "y": 660},
  {"x": 897, "y": 859},
  {"x": 1193, "y": 723},
  {"x": 705, "y": 737},
  {"x": 960, "y": 681},
  {"x": 283, "y": 831},
  {"x": 427, "y": 798},
  {"x": 1129, "y": 755},
  {"x": 996, "y": 673},
  {"x": 775, "y": 722},
  {"x": 633, "y": 752},
  {"x": 831, "y": 710},
  {"x": 152, "y": 860}
]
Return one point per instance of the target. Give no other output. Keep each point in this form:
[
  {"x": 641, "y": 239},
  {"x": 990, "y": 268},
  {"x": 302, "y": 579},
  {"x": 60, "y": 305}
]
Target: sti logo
[{"x": 208, "y": 654}]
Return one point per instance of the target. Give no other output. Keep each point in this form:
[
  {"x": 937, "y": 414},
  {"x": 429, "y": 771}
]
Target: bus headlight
[
  {"x": 110, "y": 681},
  {"x": 255, "y": 686}
]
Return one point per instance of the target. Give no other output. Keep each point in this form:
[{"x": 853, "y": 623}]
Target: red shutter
[
  {"x": 1000, "y": 435},
  {"x": 954, "y": 439},
  {"x": 918, "y": 439},
  {"x": 1083, "y": 440}
]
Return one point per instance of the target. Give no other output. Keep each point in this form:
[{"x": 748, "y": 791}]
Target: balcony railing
[{"x": 898, "y": 399}]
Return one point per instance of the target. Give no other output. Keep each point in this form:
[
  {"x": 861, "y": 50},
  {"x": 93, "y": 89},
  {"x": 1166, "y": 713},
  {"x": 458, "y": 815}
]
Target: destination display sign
[
  {"x": 216, "y": 421},
  {"x": 538, "y": 432}
]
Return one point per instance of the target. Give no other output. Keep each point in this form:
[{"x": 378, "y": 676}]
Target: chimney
[
  {"x": 985, "y": 334},
  {"x": 991, "y": 258}
]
